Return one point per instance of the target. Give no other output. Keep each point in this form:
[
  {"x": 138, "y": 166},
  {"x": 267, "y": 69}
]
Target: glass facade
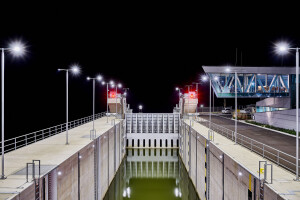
[
  {"x": 250, "y": 85},
  {"x": 268, "y": 109}
]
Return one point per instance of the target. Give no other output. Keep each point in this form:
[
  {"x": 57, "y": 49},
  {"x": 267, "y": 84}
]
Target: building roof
[{"x": 252, "y": 69}]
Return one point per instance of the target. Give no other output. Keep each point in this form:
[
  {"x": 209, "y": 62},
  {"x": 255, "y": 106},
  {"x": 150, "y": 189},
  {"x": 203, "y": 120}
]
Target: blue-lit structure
[{"x": 252, "y": 82}]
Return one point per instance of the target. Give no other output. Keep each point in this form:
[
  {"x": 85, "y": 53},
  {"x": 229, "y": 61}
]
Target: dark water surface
[{"x": 151, "y": 174}]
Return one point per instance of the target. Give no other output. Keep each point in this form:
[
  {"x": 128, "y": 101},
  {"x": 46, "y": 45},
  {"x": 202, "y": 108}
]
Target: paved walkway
[
  {"x": 51, "y": 151},
  {"x": 283, "y": 182},
  {"x": 274, "y": 139}
]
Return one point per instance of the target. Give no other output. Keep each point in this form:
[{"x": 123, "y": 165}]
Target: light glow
[
  {"x": 128, "y": 192},
  {"x": 204, "y": 78},
  {"x": 75, "y": 69},
  {"x": 216, "y": 78},
  {"x": 140, "y": 107},
  {"x": 177, "y": 88},
  {"x": 99, "y": 78},
  {"x": 176, "y": 192},
  {"x": 282, "y": 47},
  {"x": 17, "y": 48},
  {"x": 119, "y": 85},
  {"x": 102, "y": 82},
  {"x": 227, "y": 69}
]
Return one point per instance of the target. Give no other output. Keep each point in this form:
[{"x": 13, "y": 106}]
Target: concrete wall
[
  {"x": 86, "y": 174},
  {"x": 67, "y": 182},
  {"x": 216, "y": 174},
  {"x": 277, "y": 102},
  {"x": 283, "y": 119}
]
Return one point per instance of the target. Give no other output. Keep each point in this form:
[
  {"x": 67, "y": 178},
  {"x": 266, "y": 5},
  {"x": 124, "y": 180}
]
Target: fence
[
  {"x": 24, "y": 140},
  {"x": 278, "y": 157}
]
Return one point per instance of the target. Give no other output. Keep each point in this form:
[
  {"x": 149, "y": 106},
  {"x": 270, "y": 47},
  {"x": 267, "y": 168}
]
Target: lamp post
[
  {"x": 75, "y": 70},
  {"x": 213, "y": 101},
  {"x": 117, "y": 86},
  {"x": 178, "y": 89},
  {"x": 227, "y": 69},
  {"x": 17, "y": 49},
  {"x": 188, "y": 96},
  {"x": 204, "y": 79},
  {"x": 125, "y": 93},
  {"x": 201, "y": 107},
  {"x": 112, "y": 84},
  {"x": 98, "y": 78},
  {"x": 236, "y": 115},
  {"x": 197, "y": 95},
  {"x": 283, "y": 48}
]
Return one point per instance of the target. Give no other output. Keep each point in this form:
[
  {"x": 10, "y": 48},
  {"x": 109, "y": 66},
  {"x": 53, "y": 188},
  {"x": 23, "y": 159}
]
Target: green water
[{"x": 151, "y": 174}]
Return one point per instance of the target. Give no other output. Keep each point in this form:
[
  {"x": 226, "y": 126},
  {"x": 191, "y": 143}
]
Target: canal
[{"x": 152, "y": 174}]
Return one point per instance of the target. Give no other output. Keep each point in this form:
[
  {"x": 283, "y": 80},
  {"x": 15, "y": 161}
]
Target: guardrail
[
  {"x": 280, "y": 158},
  {"x": 24, "y": 140}
]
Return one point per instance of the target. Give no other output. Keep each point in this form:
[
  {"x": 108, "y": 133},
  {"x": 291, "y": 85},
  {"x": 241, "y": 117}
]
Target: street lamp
[
  {"x": 125, "y": 93},
  {"x": 235, "y": 99},
  {"x": 112, "y": 84},
  {"x": 188, "y": 96},
  {"x": 178, "y": 89},
  {"x": 98, "y": 78},
  {"x": 75, "y": 70},
  {"x": 119, "y": 85},
  {"x": 204, "y": 78},
  {"x": 283, "y": 48},
  {"x": 196, "y": 83},
  {"x": 17, "y": 49},
  {"x": 141, "y": 108}
]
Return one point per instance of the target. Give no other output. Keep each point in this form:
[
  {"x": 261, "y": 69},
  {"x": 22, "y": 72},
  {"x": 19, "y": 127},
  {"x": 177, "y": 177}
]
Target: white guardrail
[
  {"x": 280, "y": 158},
  {"x": 24, "y": 140}
]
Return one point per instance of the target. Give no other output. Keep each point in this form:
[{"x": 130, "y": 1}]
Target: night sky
[{"x": 149, "y": 49}]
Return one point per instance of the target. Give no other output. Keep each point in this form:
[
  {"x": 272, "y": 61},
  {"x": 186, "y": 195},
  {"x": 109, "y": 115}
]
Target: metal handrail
[
  {"x": 29, "y": 138},
  {"x": 266, "y": 151}
]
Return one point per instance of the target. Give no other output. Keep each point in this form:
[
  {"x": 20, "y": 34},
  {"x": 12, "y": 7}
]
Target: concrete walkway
[
  {"x": 51, "y": 151},
  {"x": 283, "y": 182}
]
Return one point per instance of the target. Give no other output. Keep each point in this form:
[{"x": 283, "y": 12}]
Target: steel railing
[
  {"x": 24, "y": 140},
  {"x": 280, "y": 158}
]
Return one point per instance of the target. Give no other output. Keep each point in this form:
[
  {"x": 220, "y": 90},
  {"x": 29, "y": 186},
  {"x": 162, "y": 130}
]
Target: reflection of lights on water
[
  {"x": 177, "y": 192},
  {"x": 126, "y": 192}
]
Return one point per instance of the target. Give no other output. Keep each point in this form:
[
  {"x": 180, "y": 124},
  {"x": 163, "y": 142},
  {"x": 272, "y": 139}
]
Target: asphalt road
[{"x": 276, "y": 140}]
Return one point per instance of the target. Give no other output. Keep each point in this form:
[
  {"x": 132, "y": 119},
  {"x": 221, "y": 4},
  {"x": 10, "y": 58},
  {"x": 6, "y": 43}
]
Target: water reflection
[{"x": 151, "y": 174}]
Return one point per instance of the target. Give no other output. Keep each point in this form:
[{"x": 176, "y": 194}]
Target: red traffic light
[
  {"x": 192, "y": 95},
  {"x": 112, "y": 95}
]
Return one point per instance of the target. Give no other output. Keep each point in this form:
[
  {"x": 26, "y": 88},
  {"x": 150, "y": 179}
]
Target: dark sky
[{"x": 150, "y": 49}]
